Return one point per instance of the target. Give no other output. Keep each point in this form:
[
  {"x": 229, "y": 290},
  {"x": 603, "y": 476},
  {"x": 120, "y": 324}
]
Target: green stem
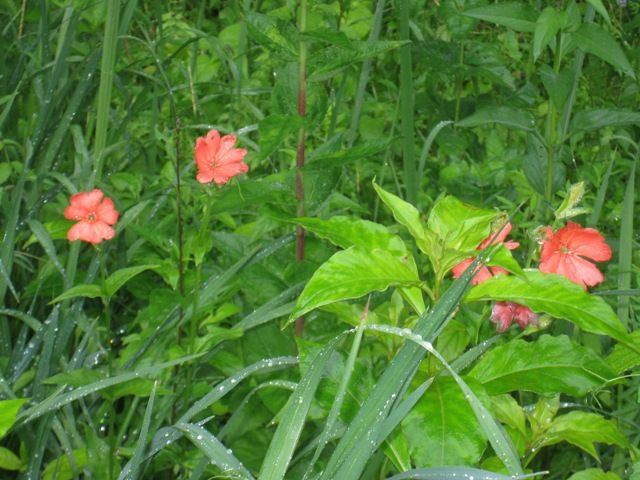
[
  {"x": 551, "y": 127},
  {"x": 411, "y": 180},
  {"x": 300, "y": 155}
]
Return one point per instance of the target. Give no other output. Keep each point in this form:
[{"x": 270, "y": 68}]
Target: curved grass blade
[
  {"x": 60, "y": 399},
  {"x": 138, "y": 454},
  {"x": 294, "y": 413},
  {"x": 453, "y": 473},
  {"x": 498, "y": 438},
  {"x": 47, "y": 244},
  {"x": 276, "y": 307},
  {"x": 32, "y": 322},
  {"x": 214, "y": 450},
  {"x": 625, "y": 252}
]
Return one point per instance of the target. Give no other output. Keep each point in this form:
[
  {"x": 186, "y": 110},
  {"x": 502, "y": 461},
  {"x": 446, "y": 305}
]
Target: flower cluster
[
  {"x": 564, "y": 252},
  {"x": 215, "y": 158}
]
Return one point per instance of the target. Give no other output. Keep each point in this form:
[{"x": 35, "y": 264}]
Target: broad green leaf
[
  {"x": 353, "y": 273},
  {"x": 319, "y": 159},
  {"x": 446, "y": 473},
  {"x": 60, "y": 468},
  {"x": 547, "y": 26},
  {"x": 442, "y": 428},
  {"x": 594, "y": 474},
  {"x": 117, "y": 279},
  {"x": 534, "y": 165},
  {"x": 583, "y": 429},
  {"x": 546, "y": 366},
  {"x": 593, "y": 39},
  {"x": 278, "y": 188},
  {"x": 8, "y": 412},
  {"x": 9, "y": 460},
  {"x": 325, "y": 63},
  {"x": 603, "y": 117},
  {"x": 82, "y": 290},
  {"x": 75, "y": 378},
  {"x": 557, "y": 296},
  {"x": 408, "y": 216},
  {"x": 346, "y": 232},
  {"x": 508, "y": 411},
  {"x": 458, "y": 225},
  {"x": 515, "y": 15},
  {"x": 508, "y": 116}
]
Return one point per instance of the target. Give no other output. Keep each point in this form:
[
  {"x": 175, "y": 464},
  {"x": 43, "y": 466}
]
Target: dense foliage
[{"x": 319, "y": 240}]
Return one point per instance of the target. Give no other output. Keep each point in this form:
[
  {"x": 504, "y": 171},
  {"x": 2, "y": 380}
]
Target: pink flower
[
  {"x": 94, "y": 213},
  {"x": 217, "y": 160},
  {"x": 485, "y": 273},
  {"x": 504, "y": 313},
  {"x": 564, "y": 253}
]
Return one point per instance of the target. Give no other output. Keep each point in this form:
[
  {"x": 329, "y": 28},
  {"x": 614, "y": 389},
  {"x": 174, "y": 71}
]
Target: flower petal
[
  {"x": 227, "y": 142},
  {"x": 83, "y": 231},
  {"x": 103, "y": 230},
  {"x": 106, "y": 212},
  {"x": 223, "y": 173},
  {"x": 502, "y": 315}
]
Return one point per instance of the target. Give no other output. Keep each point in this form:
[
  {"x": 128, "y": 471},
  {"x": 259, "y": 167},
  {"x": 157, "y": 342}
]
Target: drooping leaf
[
  {"x": 508, "y": 116},
  {"x": 600, "y": 8},
  {"x": 117, "y": 279},
  {"x": 593, "y": 39},
  {"x": 353, "y": 273},
  {"x": 603, "y": 117},
  {"x": 82, "y": 290},
  {"x": 583, "y": 429},
  {"x": 557, "y": 296},
  {"x": 594, "y": 474},
  {"x": 346, "y": 232},
  {"x": 442, "y": 428},
  {"x": 624, "y": 358},
  {"x": 546, "y": 366},
  {"x": 515, "y": 15},
  {"x": 9, "y": 460},
  {"x": 557, "y": 84}
]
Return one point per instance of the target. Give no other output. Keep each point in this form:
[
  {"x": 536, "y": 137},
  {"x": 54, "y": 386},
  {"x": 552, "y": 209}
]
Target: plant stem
[
  {"x": 411, "y": 180},
  {"x": 302, "y": 111}
]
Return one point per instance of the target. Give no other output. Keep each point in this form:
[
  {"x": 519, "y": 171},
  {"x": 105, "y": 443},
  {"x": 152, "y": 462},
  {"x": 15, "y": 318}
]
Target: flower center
[
  {"x": 91, "y": 217},
  {"x": 564, "y": 249}
]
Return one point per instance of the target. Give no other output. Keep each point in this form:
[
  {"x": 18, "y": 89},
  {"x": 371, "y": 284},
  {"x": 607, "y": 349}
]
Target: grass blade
[
  {"x": 138, "y": 454},
  {"x": 449, "y": 473},
  {"x": 214, "y": 450},
  {"x": 625, "y": 252}
]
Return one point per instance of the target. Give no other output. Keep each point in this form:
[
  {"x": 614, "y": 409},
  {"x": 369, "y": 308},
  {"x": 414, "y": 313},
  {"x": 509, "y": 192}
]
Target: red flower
[
  {"x": 95, "y": 215},
  {"x": 217, "y": 160},
  {"x": 504, "y": 313},
  {"x": 485, "y": 273},
  {"x": 563, "y": 253}
]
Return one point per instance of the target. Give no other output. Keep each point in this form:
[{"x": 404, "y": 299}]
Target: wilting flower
[
  {"x": 564, "y": 253},
  {"x": 485, "y": 273},
  {"x": 504, "y": 313},
  {"x": 217, "y": 160},
  {"x": 94, "y": 213}
]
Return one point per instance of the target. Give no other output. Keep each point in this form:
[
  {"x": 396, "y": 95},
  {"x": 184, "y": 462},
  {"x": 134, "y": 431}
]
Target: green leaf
[
  {"x": 320, "y": 159},
  {"x": 624, "y": 358},
  {"x": 75, "y": 378},
  {"x": 325, "y": 63},
  {"x": 82, "y": 290},
  {"x": 515, "y": 15},
  {"x": 593, "y": 39},
  {"x": 583, "y": 429},
  {"x": 603, "y": 117},
  {"x": 555, "y": 295},
  {"x": 60, "y": 468},
  {"x": 594, "y": 474},
  {"x": 442, "y": 428},
  {"x": 346, "y": 232},
  {"x": 8, "y": 411},
  {"x": 353, "y": 273},
  {"x": 445, "y": 473},
  {"x": 117, "y": 279},
  {"x": 547, "y": 26},
  {"x": 546, "y": 366},
  {"x": 9, "y": 460},
  {"x": 599, "y": 7},
  {"x": 408, "y": 216},
  {"x": 510, "y": 117}
]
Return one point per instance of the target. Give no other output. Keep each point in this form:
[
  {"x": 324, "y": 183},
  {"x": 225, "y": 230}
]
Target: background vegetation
[{"x": 171, "y": 352}]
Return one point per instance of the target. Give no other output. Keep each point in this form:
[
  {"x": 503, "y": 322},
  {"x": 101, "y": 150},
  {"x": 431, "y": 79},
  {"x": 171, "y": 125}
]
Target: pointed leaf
[
  {"x": 8, "y": 412},
  {"x": 353, "y": 273},
  {"x": 117, "y": 279},
  {"x": 557, "y": 296},
  {"x": 510, "y": 117},
  {"x": 547, "y": 26},
  {"x": 603, "y": 117},
  {"x": 82, "y": 290},
  {"x": 595, "y": 40},
  {"x": 515, "y": 15},
  {"x": 546, "y": 366},
  {"x": 594, "y": 474}
]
